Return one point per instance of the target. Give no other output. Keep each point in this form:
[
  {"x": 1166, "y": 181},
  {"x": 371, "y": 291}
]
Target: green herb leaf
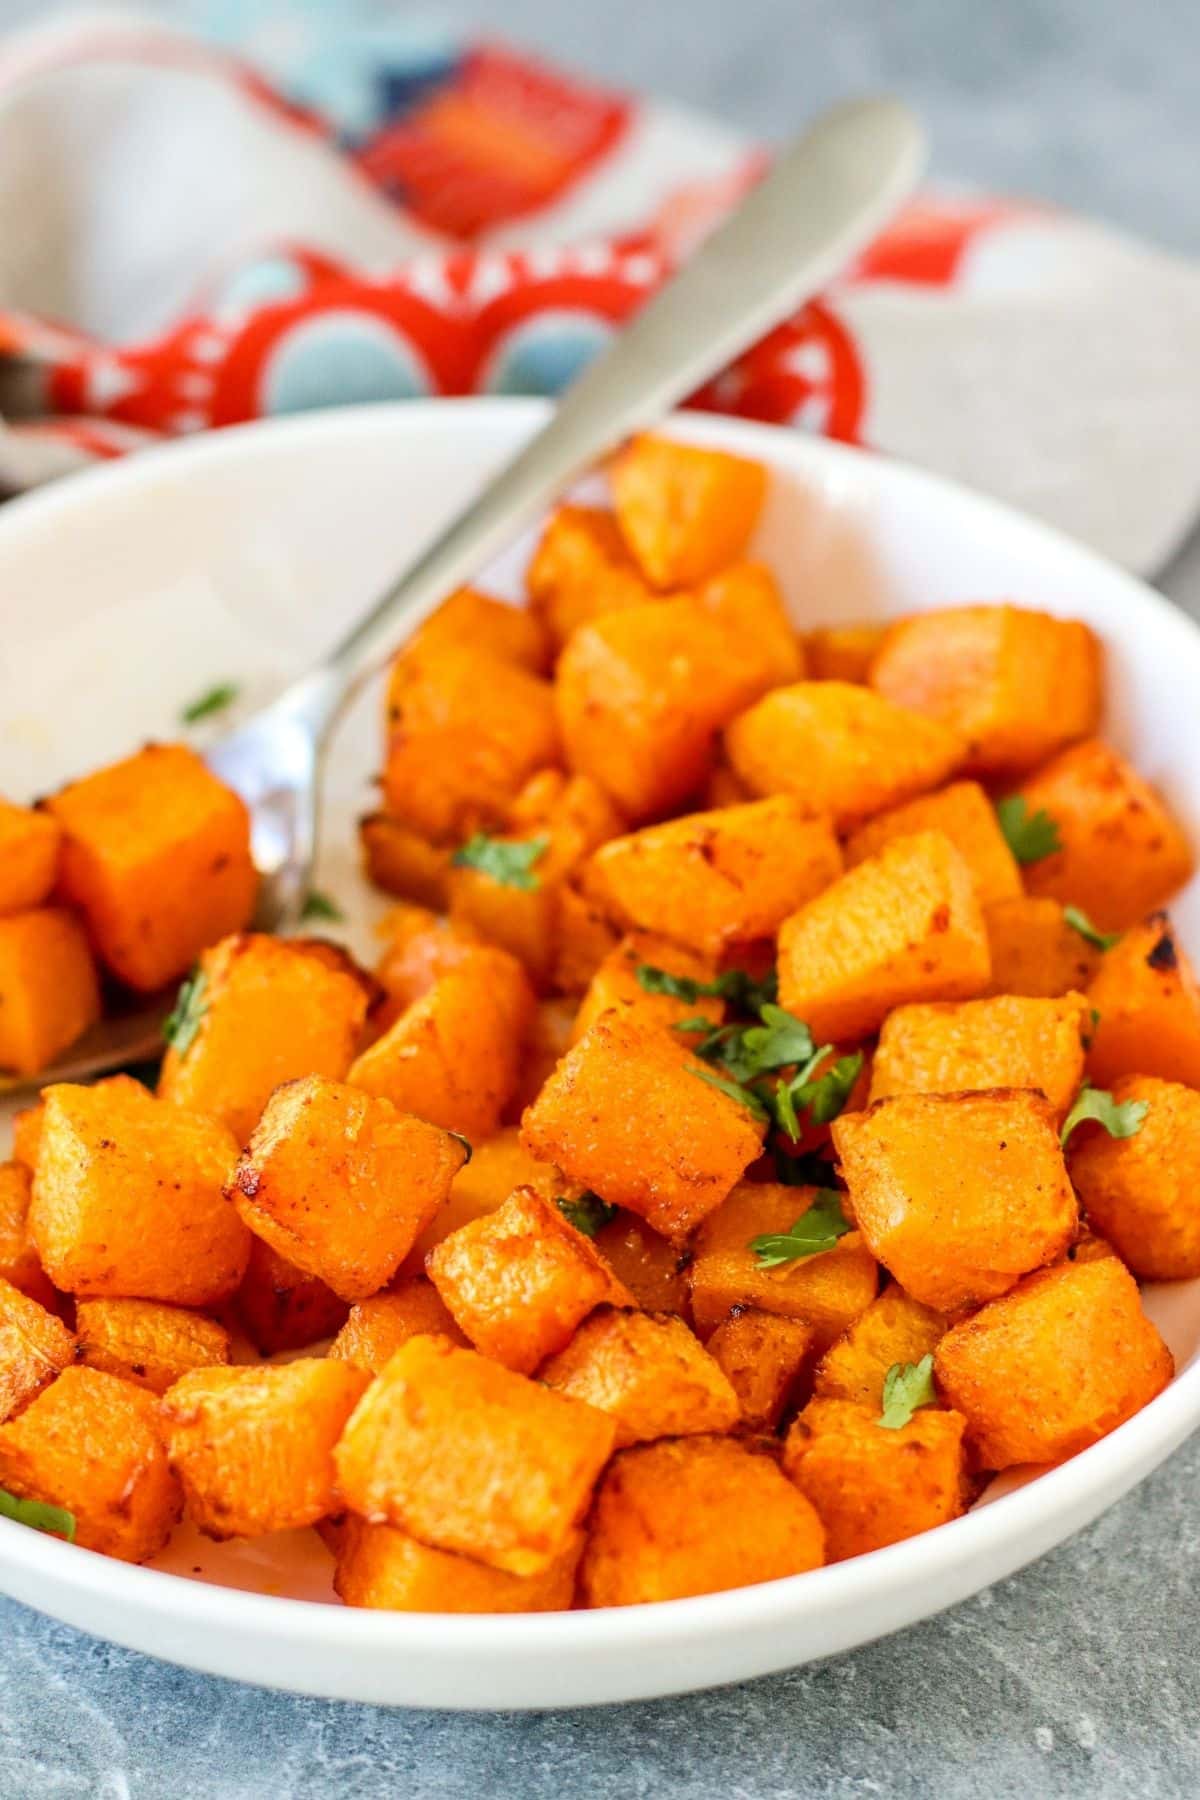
[
  {"x": 744, "y": 1096},
  {"x": 38, "y": 1515},
  {"x": 906, "y": 1387},
  {"x": 735, "y": 985},
  {"x": 319, "y": 906},
  {"x": 1078, "y": 920},
  {"x": 809, "y": 1170},
  {"x": 1121, "y": 1119},
  {"x": 589, "y": 1214},
  {"x": 185, "y": 1018},
  {"x": 214, "y": 701},
  {"x": 816, "y": 1230},
  {"x": 825, "y": 1098},
  {"x": 781, "y": 1039},
  {"x": 1030, "y": 836},
  {"x": 506, "y": 861}
]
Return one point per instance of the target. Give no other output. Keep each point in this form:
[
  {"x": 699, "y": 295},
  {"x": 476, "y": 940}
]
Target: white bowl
[{"x": 239, "y": 556}]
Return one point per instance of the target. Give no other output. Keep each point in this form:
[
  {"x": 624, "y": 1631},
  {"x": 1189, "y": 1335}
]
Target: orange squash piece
[
  {"x": 1142, "y": 1193},
  {"x": 378, "y": 1326},
  {"x": 581, "y": 569},
  {"x": 472, "y": 620},
  {"x": 615, "y": 985},
  {"x": 29, "y": 847},
  {"x": 746, "y": 597},
  {"x": 496, "y": 1167},
  {"x": 843, "y": 652},
  {"x": 895, "y": 1328},
  {"x": 649, "y": 1372},
  {"x": 147, "y": 1343},
  {"x": 1148, "y": 999},
  {"x": 967, "y": 817},
  {"x": 1009, "y": 1041},
  {"x": 653, "y": 1269},
  {"x": 402, "y": 862},
  {"x": 765, "y": 1358},
  {"x": 685, "y": 511},
  {"x": 34, "y": 1348},
  {"x": 18, "y": 1259},
  {"x": 378, "y": 1566},
  {"x": 280, "y": 1307},
  {"x": 1034, "y": 951},
  {"x": 49, "y": 994},
  {"x": 585, "y": 936}
]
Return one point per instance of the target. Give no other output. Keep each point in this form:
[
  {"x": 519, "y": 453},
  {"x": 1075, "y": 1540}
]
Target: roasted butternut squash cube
[
  {"x": 266, "y": 1011},
  {"x": 651, "y": 1267},
  {"x": 253, "y": 1447},
  {"x": 1009, "y": 1041},
  {"x": 844, "y": 750},
  {"x": 1148, "y": 999},
  {"x": 1018, "y": 685},
  {"x": 958, "y": 1195},
  {"x": 685, "y": 511},
  {"x": 615, "y": 985},
  {"x": 128, "y": 1202},
  {"x": 1122, "y": 853},
  {"x": 895, "y": 1328},
  {"x": 631, "y": 1115},
  {"x": 92, "y": 1445},
  {"x": 519, "y": 1280},
  {"x": 497, "y": 1166},
  {"x": 282, "y": 1308},
  {"x": 641, "y": 695},
  {"x": 765, "y": 1359},
  {"x": 34, "y": 1348},
  {"x": 379, "y": 1566},
  {"x": 419, "y": 945},
  {"x": 871, "y": 1486},
  {"x": 1054, "y": 1365},
  {"x": 585, "y": 936},
  {"x": 341, "y": 1182},
  {"x": 156, "y": 855},
  {"x": 49, "y": 994},
  {"x": 1142, "y": 1193},
  {"x": 472, "y": 620},
  {"x": 581, "y": 569},
  {"x": 471, "y": 1457},
  {"x": 746, "y": 597},
  {"x": 648, "y": 1372},
  {"x": 715, "y": 879},
  {"x": 843, "y": 652},
  {"x": 402, "y": 862},
  {"x": 465, "y": 730},
  {"x": 27, "y": 1124},
  {"x": 453, "y": 1057},
  {"x": 694, "y": 1515},
  {"x": 904, "y": 925},
  {"x": 549, "y": 1039},
  {"x": 1034, "y": 950},
  {"x": 967, "y": 817},
  {"x": 378, "y": 1326},
  {"x": 18, "y": 1259},
  {"x": 147, "y": 1343},
  {"x": 29, "y": 847},
  {"x": 827, "y": 1291}
]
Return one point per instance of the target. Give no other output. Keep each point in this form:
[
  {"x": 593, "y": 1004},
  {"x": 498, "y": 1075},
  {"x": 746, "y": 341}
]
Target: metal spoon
[{"x": 823, "y": 200}]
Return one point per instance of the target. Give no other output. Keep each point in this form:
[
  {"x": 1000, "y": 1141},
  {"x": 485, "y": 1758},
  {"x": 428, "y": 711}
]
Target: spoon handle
[{"x": 823, "y": 200}]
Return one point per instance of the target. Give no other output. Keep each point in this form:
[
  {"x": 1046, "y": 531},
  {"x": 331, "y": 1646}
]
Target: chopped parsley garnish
[
  {"x": 214, "y": 701},
  {"x": 186, "y": 1016},
  {"x": 589, "y": 1214},
  {"x": 1078, "y": 920},
  {"x": 744, "y": 1096},
  {"x": 506, "y": 861},
  {"x": 319, "y": 906},
  {"x": 825, "y": 1098},
  {"x": 1120, "y": 1118},
  {"x": 816, "y": 1230},
  {"x": 735, "y": 985},
  {"x": 38, "y": 1515},
  {"x": 1030, "y": 836},
  {"x": 906, "y": 1387}
]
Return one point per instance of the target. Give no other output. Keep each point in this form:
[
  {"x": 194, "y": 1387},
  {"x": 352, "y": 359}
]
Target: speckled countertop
[{"x": 1079, "y": 1677}]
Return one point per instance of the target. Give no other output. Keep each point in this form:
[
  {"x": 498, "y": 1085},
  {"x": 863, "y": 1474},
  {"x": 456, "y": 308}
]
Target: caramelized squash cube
[
  {"x": 18, "y": 1259},
  {"x": 685, "y": 511},
  {"x": 378, "y": 1326},
  {"x": 282, "y": 1308},
  {"x": 1142, "y": 1193},
  {"x": 147, "y": 1343},
  {"x": 1034, "y": 951},
  {"x": 1009, "y": 1041},
  {"x": 895, "y": 1328},
  {"x": 967, "y": 817},
  {"x": 615, "y": 985},
  {"x": 648, "y": 1372},
  {"x": 581, "y": 569},
  {"x": 650, "y": 1266},
  {"x": 497, "y": 1166},
  {"x": 419, "y": 946},
  {"x": 471, "y": 620},
  {"x": 381, "y": 1567},
  {"x": 585, "y": 936},
  {"x": 49, "y": 993},
  {"x": 1148, "y": 998},
  {"x": 747, "y": 599},
  {"x": 35, "y": 1346},
  {"x": 30, "y": 841},
  {"x": 765, "y": 1359},
  {"x": 402, "y": 862},
  {"x": 843, "y": 652}
]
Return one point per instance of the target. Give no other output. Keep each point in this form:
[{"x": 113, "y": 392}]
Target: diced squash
[
  {"x": 29, "y": 847},
  {"x": 630, "y": 1114},
  {"x": 1142, "y": 1193},
  {"x": 127, "y": 1199},
  {"x": 615, "y": 984},
  {"x": 379, "y": 1566},
  {"x": 1122, "y": 854},
  {"x": 402, "y": 862},
  {"x": 958, "y": 1195},
  {"x": 826, "y": 1291},
  {"x": 419, "y": 946},
  {"x": 585, "y": 937},
  {"x": 470, "y": 1457},
  {"x": 746, "y": 598},
  {"x": 1018, "y": 685},
  {"x": 843, "y": 652},
  {"x": 904, "y": 925},
  {"x": 967, "y": 817},
  {"x": 49, "y": 994},
  {"x": 871, "y": 1486},
  {"x": 694, "y": 1516},
  {"x": 472, "y": 620},
  {"x": 253, "y": 1447},
  {"x": 453, "y": 1057},
  {"x": 648, "y": 1372},
  {"x": 281, "y": 1307},
  {"x": 156, "y": 855},
  {"x": 1148, "y": 999},
  {"x": 269, "y": 1010},
  {"x": 378, "y": 1326},
  {"x": 465, "y": 730},
  {"x": 650, "y": 1266},
  {"x": 765, "y": 1359},
  {"x": 27, "y": 1124},
  {"x": 35, "y": 1346},
  {"x": 844, "y": 750},
  {"x": 18, "y": 1259},
  {"x": 341, "y": 1182},
  {"x": 715, "y": 879},
  {"x": 1034, "y": 951},
  {"x": 581, "y": 569},
  {"x": 895, "y": 1328},
  {"x": 549, "y": 1039},
  {"x": 147, "y": 1343},
  {"x": 497, "y": 1166},
  {"x": 1009, "y": 1041},
  {"x": 685, "y": 511},
  {"x": 520, "y": 1280},
  {"x": 1054, "y": 1365}
]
